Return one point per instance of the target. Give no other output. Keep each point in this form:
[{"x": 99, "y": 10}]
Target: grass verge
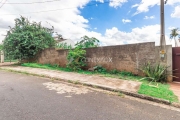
[
  {"x": 162, "y": 91},
  {"x": 10, "y": 60}
]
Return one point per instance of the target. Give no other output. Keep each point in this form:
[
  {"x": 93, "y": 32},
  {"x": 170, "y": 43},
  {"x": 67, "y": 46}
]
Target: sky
[{"x": 113, "y": 22}]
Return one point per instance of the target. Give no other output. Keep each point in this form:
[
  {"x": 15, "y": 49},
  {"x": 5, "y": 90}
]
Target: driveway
[{"x": 24, "y": 97}]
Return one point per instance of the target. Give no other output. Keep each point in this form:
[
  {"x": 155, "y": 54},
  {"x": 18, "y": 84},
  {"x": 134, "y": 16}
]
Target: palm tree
[{"x": 174, "y": 34}]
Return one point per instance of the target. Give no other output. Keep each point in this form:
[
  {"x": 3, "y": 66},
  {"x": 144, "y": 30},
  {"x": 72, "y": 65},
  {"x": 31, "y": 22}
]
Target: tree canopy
[
  {"x": 174, "y": 34},
  {"x": 26, "y": 38},
  {"x": 1, "y": 46},
  {"x": 88, "y": 42}
]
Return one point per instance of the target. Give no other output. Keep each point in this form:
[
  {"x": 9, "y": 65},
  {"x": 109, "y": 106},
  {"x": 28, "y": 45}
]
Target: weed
[
  {"x": 70, "y": 81},
  {"x": 76, "y": 82},
  {"x": 120, "y": 94}
]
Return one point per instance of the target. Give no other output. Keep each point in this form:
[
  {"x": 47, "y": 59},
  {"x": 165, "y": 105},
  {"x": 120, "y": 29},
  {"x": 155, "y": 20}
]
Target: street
[{"x": 25, "y": 97}]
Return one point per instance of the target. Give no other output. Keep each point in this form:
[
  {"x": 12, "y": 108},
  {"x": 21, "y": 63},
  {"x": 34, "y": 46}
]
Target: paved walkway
[
  {"x": 95, "y": 80},
  {"x": 175, "y": 87},
  {"x": 6, "y": 63}
]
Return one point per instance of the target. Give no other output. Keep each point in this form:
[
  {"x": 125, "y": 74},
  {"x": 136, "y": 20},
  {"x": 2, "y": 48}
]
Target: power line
[
  {"x": 35, "y": 2},
  {"x": 2, "y": 4},
  {"x": 56, "y": 9}
]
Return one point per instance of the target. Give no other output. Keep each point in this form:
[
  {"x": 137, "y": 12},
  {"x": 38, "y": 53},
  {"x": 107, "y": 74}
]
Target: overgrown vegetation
[
  {"x": 88, "y": 42},
  {"x": 1, "y": 47},
  {"x": 26, "y": 38},
  {"x": 63, "y": 46},
  {"x": 76, "y": 59},
  {"x": 100, "y": 69},
  {"x": 155, "y": 73}
]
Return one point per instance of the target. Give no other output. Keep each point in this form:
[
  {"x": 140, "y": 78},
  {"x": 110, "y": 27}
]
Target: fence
[{"x": 129, "y": 57}]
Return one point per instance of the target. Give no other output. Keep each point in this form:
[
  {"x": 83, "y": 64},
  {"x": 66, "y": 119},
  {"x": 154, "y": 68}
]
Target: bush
[
  {"x": 155, "y": 73},
  {"x": 114, "y": 71},
  {"x": 1, "y": 47},
  {"x": 125, "y": 73},
  {"x": 63, "y": 46},
  {"x": 26, "y": 39},
  {"x": 88, "y": 42},
  {"x": 100, "y": 69},
  {"x": 76, "y": 59}
]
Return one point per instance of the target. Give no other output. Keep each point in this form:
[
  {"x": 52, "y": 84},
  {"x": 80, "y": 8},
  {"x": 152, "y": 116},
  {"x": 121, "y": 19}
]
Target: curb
[{"x": 153, "y": 99}]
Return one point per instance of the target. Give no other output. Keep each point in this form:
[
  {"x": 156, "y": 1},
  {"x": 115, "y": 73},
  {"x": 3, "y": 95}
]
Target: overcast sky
[{"x": 113, "y": 22}]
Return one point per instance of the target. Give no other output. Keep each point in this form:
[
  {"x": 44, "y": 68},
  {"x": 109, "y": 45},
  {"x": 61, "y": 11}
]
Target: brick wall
[{"x": 121, "y": 57}]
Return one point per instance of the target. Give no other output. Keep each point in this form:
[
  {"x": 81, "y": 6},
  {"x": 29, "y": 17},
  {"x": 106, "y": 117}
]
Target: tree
[
  {"x": 87, "y": 42},
  {"x": 1, "y": 47},
  {"x": 26, "y": 39},
  {"x": 174, "y": 34}
]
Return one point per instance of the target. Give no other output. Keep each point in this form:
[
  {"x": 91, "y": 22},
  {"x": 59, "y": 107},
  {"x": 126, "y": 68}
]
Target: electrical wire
[
  {"x": 3, "y": 4},
  {"x": 35, "y": 2},
  {"x": 56, "y": 9},
  {"x": 38, "y": 2}
]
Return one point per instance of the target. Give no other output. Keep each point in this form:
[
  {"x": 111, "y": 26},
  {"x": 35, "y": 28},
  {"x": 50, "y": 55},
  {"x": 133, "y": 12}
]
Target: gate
[{"x": 176, "y": 64}]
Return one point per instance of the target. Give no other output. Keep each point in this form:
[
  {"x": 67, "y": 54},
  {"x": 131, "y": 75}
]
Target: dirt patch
[{"x": 64, "y": 88}]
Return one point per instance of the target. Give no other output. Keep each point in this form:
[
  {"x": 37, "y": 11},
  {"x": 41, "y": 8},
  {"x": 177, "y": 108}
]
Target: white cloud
[
  {"x": 137, "y": 35},
  {"x": 67, "y": 22},
  {"x": 144, "y": 5},
  {"x": 102, "y": 1},
  {"x": 172, "y": 2},
  {"x": 117, "y": 3},
  {"x": 135, "y": 5},
  {"x": 126, "y": 21},
  {"x": 149, "y": 17},
  {"x": 170, "y": 28},
  {"x": 176, "y": 13},
  {"x": 114, "y": 3},
  {"x": 72, "y": 25}
]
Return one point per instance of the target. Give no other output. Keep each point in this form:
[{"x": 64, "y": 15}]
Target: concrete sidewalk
[
  {"x": 175, "y": 87},
  {"x": 7, "y": 63},
  {"x": 93, "y": 80}
]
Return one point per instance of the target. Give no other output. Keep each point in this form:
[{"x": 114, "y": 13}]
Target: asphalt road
[{"x": 24, "y": 97}]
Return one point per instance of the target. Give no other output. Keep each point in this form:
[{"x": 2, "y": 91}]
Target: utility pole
[{"x": 162, "y": 37}]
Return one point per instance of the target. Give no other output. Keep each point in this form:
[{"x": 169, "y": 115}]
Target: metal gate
[{"x": 176, "y": 63}]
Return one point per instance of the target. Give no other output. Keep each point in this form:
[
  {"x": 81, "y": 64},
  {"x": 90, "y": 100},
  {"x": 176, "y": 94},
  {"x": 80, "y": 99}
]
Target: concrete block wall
[
  {"x": 129, "y": 57},
  {"x": 124, "y": 57}
]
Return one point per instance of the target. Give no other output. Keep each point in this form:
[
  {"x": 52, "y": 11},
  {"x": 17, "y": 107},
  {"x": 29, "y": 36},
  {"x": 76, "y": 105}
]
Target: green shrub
[
  {"x": 63, "y": 46},
  {"x": 155, "y": 73},
  {"x": 26, "y": 39},
  {"x": 76, "y": 59},
  {"x": 100, "y": 69},
  {"x": 88, "y": 42},
  {"x": 114, "y": 71},
  {"x": 1, "y": 47},
  {"x": 125, "y": 73}
]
